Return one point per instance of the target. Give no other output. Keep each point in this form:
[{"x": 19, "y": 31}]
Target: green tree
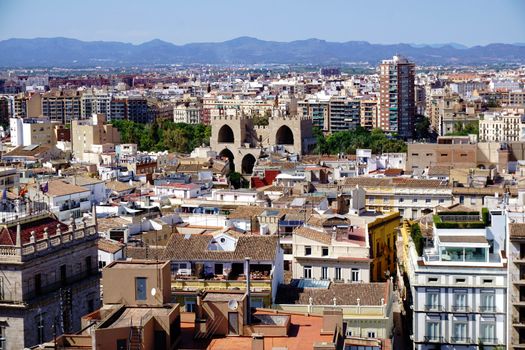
[{"x": 235, "y": 179}]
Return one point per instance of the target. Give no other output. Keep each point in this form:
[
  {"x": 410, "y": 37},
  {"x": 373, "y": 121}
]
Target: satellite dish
[
  {"x": 153, "y": 292},
  {"x": 233, "y": 304}
]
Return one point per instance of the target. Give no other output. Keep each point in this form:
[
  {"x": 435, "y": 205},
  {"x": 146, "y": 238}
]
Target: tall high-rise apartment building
[{"x": 397, "y": 100}]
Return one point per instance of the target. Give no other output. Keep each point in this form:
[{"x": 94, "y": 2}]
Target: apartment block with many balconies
[{"x": 459, "y": 283}]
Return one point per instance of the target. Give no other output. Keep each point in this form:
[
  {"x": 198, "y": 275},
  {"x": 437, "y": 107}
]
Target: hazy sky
[{"x": 469, "y": 22}]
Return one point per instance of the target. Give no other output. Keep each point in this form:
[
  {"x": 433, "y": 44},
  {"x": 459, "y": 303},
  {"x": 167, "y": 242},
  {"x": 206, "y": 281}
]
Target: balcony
[
  {"x": 487, "y": 309},
  {"x": 460, "y": 340},
  {"x": 489, "y": 341},
  {"x": 460, "y": 308},
  {"x": 435, "y": 308},
  {"x": 434, "y": 339}
]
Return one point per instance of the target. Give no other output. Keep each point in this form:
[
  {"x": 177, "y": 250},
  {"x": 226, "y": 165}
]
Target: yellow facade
[{"x": 382, "y": 234}]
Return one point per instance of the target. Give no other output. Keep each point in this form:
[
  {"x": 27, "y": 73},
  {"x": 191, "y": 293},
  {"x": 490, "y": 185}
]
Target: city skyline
[{"x": 466, "y": 23}]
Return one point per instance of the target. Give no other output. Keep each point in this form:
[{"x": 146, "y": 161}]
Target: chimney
[{"x": 248, "y": 311}]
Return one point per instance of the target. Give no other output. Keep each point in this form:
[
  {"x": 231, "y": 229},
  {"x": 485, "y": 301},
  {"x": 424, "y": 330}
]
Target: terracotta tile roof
[
  {"x": 439, "y": 171},
  {"x": 456, "y": 208},
  {"x": 109, "y": 246},
  {"x": 393, "y": 172},
  {"x": 106, "y": 224},
  {"x": 322, "y": 220},
  {"x": 490, "y": 191},
  {"x": 345, "y": 294},
  {"x": 315, "y": 235},
  {"x": 195, "y": 247},
  {"x": 517, "y": 230},
  {"x": 119, "y": 186},
  {"x": 82, "y": 180},
  {"x": 246, "y": 212},
  {"x": 24, "y": 151},
  {"x": 62, "y": 188}
]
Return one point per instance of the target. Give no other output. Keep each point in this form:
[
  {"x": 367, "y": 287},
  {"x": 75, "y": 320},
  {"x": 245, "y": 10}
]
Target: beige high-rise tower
[{"x": 397, "y": 101}]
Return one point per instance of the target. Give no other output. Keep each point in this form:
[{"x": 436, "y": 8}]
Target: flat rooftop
[{"x": 304, "y": 332}]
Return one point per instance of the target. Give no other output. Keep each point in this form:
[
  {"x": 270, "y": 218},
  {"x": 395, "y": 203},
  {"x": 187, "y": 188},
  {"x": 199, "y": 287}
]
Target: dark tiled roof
[
  {"x": 195, "y": 247},
  {"x": 345, "y": 294}
]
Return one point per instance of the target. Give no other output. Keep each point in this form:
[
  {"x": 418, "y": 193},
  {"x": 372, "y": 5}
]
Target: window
[
  {"x": 460, "y": 280},
  {"x": 487, "y": 301},
  {"x": 256, "y": 303},
  {"x": 460, "y": 301},
  {"x": 90, "y": 305},
  {"x": 63, "y": 274},
  {"x": 441, "y": 200},
  {"x": 433, "y": 300},
  {"x": 325, "y": 251},
  {"x": 140, "y": 288},
  {"x": 38, "y": 283},
  {"x": 432, "y": 279},
  {"x": 324, "y": 273},
  {"x": 39, "y": 321},
  {"x": 307, "y": 250},
  {"x": 428, "y": 200},
  {"x": 101, "y": 264},
  {"x": 487, "y": 332},
  {"x": 371, "y": 334},
  {"x": 414, "y": 200},
  {"x": 3, "y": 345},
  {"x": 459, "y": 332},
  {"x": 88, "y": 264},
  {"x": 189, "y": 304},
  {"x": 307, "y": 272},
  {"x": 401, "y": 200},
  {"x": 338, "y": 274},
  {"x": 432, "y": 331},
  {"x": 355, "y": 275}
]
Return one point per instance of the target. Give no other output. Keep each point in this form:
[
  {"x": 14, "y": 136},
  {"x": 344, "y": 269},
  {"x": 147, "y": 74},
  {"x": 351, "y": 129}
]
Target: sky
[{"x": 469, "y": 22}]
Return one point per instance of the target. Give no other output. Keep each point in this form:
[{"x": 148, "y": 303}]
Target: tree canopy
[
  {"x": 167, "y": 135},
  {"x": 465, "y": 129},
  {"x": 348, "y": 141}
]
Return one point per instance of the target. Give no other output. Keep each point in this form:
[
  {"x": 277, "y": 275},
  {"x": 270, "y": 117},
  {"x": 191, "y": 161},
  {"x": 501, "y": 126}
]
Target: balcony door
[{"x": 233, "y": 323}]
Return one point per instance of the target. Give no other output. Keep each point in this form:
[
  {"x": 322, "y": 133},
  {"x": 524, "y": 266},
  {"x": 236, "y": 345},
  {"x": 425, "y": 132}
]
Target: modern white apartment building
[
  {"x": 32, "y": 131},
  {"x": 459, "y": 284},
  {"x": 503, "y": 126}
]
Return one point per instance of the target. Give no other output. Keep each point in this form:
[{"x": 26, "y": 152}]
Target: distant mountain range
[{"x": 64, "y": 52}]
